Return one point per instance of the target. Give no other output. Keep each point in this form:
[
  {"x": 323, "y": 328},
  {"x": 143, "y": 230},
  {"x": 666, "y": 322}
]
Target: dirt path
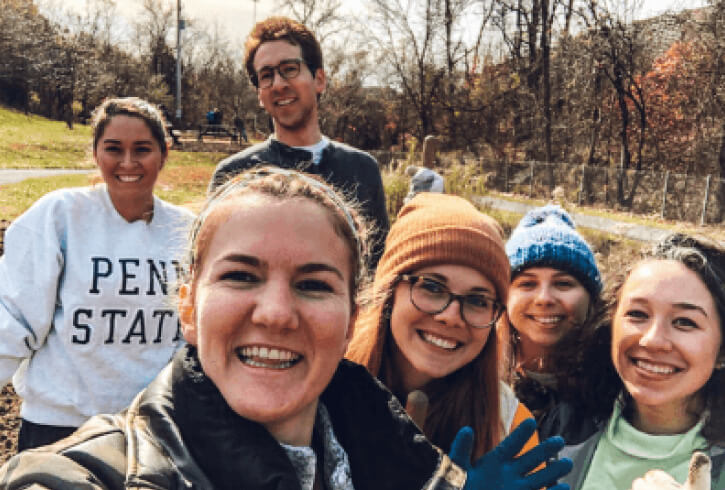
[
  {"x": 12, "y": 175},
  {"x": 629, "y": 230}
]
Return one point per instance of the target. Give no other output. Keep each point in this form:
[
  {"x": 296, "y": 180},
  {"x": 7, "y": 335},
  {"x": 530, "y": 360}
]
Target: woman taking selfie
[
  {"x": 439, "y": 289},
  {"x": 84, "y": 316},
  {"x": 555, "y": 286},
  {"x": 260, "y": 398},
  {"x": 651, "y": 374}
]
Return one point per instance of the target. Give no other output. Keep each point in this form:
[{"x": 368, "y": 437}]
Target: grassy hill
[{"x": 35, "y": 142}]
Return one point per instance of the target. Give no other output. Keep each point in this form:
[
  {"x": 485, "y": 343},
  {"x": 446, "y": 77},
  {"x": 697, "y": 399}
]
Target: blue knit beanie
[{"x": 546, "y": 236}]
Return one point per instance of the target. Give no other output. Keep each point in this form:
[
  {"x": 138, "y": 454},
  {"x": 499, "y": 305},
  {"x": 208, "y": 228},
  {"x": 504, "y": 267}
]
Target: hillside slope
[{"x": 32, "y": 141}]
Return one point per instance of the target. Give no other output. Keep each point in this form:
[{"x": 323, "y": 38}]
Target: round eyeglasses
[
  {"x": 432, "y": 297},
  {"x": 287, "y": 69}
]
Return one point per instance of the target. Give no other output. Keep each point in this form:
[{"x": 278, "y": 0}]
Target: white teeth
[
  {"x": 279, "y": 365},
  {"x": 285, "y": 102},
  {"x": 129, "y": 178},
  {"x": 269, "y": 353},
  {"x": 548, "y": 319},
  {"x": 438, "y": 341},
  {"x": 655, "y": 368},
  {"x": 267, "y": 357}
]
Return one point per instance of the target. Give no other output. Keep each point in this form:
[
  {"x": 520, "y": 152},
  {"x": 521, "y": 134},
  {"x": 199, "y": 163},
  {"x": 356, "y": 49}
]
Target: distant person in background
[
  {"x": 284, "y": 62},
  {"x": 85, "y": 318},
  {"x": 241, "y": 129},
  {"x": 425, "y": 179}
]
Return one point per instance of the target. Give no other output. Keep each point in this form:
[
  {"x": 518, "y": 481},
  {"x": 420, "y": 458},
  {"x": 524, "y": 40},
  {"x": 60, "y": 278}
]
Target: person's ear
[
  {"x": 320, "y": 81},
  {"x": 186, "y": 313}
]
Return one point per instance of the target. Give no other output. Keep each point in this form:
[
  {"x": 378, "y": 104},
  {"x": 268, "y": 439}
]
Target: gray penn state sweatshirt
[{"x": 86, "y": 316}]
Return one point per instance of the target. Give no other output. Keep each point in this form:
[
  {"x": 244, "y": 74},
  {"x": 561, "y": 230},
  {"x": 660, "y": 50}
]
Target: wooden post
[
  {"x": 581, "y": 185},
  {"x": 704, "y": 201},
  {"x": 505, "y": 177},
  {"x": 531, "y": 181},
  {"x": 664, "y": 194}
]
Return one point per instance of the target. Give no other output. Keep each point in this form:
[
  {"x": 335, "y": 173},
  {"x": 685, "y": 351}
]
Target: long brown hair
[
  {"x": 434, "y": 229},
  {"x": 468, "y": 396}
]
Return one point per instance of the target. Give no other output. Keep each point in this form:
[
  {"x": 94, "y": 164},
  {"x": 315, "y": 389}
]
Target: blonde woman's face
[
  {"x": 271, "y": 312},
  {"x": 430, "y": 346}
]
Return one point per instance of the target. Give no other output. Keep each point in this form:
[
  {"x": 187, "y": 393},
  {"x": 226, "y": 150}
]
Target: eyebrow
[
  {"x": 305, "y": 269},
  {"x": 319, "y": 267},
  {"x": 242, "y": 259},
  {"x": 690, "y": 306},
  {"x": 680, "y": 306},
  {"x": 444, "y": 280},
  {"x": 560, "y": 274},
  {"x": 286, "y": 60},
  {"x": 118, "y": 142},
  {"x": 525, "y": 274}
]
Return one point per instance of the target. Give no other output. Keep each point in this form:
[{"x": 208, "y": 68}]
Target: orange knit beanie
[{"x": 437, "y": 228}]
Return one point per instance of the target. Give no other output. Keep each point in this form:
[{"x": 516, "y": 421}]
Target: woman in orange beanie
[{"x": 439, "y": 289}]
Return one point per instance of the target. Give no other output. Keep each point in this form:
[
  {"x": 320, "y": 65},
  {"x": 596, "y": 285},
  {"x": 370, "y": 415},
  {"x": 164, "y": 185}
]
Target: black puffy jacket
[{"x": 179, "y": 433}]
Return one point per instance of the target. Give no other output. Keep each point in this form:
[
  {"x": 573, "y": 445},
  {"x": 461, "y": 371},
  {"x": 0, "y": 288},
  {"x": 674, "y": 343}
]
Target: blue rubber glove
[{"x": 500, "y": 469}]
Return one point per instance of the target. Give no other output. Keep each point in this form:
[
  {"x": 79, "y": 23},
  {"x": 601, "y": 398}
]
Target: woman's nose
[
  {"x": 275, "y": 308},
  {"x": 544, "y": 294},
  {"x": 656, "y": 335},
  {"x": 127, "y": 159},
  {"x": 451, "y": 315}
]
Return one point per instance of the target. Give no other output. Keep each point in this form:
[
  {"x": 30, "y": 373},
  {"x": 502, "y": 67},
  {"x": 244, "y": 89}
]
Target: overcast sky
[{"x": 235, "y": 18}]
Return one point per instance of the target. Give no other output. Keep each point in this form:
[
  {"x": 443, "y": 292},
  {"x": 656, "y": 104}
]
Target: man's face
[{"x": 291, "y": 103}]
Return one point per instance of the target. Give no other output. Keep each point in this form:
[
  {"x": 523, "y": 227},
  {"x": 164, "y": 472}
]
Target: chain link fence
[{"x": 698, "y": 199}]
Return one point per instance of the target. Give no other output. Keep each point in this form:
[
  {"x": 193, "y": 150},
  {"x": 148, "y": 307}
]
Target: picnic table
[{"x": 218, "y": 130}]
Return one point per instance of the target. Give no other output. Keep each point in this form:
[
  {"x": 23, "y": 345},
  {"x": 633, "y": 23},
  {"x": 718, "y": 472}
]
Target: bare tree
[{"x": 323, "y": 17}]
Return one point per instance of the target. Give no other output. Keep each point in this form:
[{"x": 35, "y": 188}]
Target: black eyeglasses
[
  {"x": 287, "y": 69},
  {"x": 432, "y": 297}
]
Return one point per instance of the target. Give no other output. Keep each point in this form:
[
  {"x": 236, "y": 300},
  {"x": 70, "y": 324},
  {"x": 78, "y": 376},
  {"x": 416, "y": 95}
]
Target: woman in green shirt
[{"x": 652, "y": 373}]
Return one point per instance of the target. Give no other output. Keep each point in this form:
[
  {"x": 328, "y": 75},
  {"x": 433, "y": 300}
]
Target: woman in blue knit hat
[{"x": 555, "y": 285}]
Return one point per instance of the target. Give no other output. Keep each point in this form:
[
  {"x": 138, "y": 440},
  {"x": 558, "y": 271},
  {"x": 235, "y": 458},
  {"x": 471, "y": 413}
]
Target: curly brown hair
[{"x": 282, "y": 28}]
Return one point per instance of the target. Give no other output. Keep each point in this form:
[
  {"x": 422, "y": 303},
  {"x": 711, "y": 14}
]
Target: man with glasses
[{"x": 284, "y": 62}]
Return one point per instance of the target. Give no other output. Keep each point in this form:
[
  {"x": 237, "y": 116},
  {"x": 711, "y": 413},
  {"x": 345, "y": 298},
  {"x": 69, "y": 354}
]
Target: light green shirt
[{"x": 624, "y": 454}]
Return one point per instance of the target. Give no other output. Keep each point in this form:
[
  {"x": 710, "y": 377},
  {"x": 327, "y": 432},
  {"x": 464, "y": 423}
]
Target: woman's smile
[
  {"x": 438, "y": 341},
  {"x": 267, "y": 357}
]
